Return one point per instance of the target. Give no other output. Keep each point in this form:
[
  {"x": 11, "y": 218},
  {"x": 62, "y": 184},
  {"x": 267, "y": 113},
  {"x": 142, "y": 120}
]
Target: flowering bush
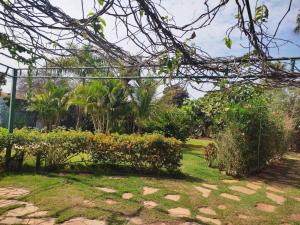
[
  {"x": 56, "y": 148},
  {"x": 139, "y": 151}
]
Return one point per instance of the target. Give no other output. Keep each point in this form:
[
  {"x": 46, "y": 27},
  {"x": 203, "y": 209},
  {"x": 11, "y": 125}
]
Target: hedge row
[{"x": 57, "y": 148}]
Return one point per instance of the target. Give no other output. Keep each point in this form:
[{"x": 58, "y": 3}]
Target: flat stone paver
[
  {"x": 265, "y": 207},
  {"x": 273, "y": 189},
  {"x": 243, "y": 190},
  {"x": 297, "y": 199},
  {"x": 107, "y": 190},
  {"x": 38, "y": 214},
  {"x": 180, "y": 212},
  {"x": 11, "y": 220},
  {"x": 208, "y": 220},
  {"x": 84, "y": 221},
  {"x": 230, "y": 181},
  {"x": 210, "y": 186},
  {"x": 136, "y": 220},
  {"x": 253, "y": 186},
  {"x": 296, "y": 217},
  {"x": 110, "y": 202},
  {"x": 222, "y": 207},
  {"x": 205, "y": 192},
  {"x": 18, "y": 212},
  {"x": 243, "y": 217},
  {"x": 175, "y": 198},
  {"x": 89, "y": 204},
  {"x": 276, "y": 198},
  {"x": 149, "y": 204},
  {"x": 149, "y": 190},
  {"x": 41, "y": 221},
  {"x": 127, "y": 196},
  {"x": 190, "y": 223},
  {"x": 11, "y": 192},
  {"x": 6, "y": 203},
  {"x": 231, "y": 197},
  {"x": 208, "y": 211}
]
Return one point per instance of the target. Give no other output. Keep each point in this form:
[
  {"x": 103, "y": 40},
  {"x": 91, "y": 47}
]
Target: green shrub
[
  {"x": 56, "y": 148},
  {"x": 171, "y": 123},
  {"x": 139, "y": 151},
  {"x": 210, "y": 153},
  {"x": 253, "y": 137},
  {"x": 3, "y": 143}
]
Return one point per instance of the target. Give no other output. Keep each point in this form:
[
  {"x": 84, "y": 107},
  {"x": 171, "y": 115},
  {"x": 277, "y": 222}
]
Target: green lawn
[{"x": 63, "y": 194}]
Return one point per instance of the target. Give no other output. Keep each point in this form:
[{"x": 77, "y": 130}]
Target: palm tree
[
  {"x": 103, "y": 101},
  {"x": 143, "y": 99},
  {"x": 51, "y": 103}
]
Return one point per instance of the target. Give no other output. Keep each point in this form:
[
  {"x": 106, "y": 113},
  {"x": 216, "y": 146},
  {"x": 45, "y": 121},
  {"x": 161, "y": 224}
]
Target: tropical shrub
[
  {"x": 3, "y": 143},
  {"x": 171, "y": 123},
  {"x": 55, "y": 149},
  {"x": 139, "y": 151},
  {"x": 210, "y": 153},
  {"x": 252, "y": 138}
]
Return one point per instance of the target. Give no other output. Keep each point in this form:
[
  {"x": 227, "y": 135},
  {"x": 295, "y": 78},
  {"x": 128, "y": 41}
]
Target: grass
[{"x": 63, "y": 194}]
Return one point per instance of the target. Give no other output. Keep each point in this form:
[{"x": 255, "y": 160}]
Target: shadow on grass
[{"x": 103, "y": 170}]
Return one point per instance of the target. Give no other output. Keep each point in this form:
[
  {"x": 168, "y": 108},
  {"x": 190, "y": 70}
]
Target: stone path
[
  {"x": 28, "y": 213},
  {"x": 205, "y": 192},
  {"x": 243, "y": 190},
  {"x": 107, "y": 190},
  {"x": 149, "y": 204},
  {"x": 173, "y": 197},
  {"x": 231, "y": 197},
  {"x": 179, "y": 212},
  {"x": 265, "y": 207},
  {"x": 150, "y": 190}
]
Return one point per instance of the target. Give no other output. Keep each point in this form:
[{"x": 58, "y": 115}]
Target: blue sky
[{"x": 211, "y": 38}]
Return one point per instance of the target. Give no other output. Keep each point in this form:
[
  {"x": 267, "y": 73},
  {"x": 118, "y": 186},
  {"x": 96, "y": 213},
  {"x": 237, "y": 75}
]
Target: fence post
[
  {"x": 293, "y": 65},
  {"x": 11, "y": 117}
]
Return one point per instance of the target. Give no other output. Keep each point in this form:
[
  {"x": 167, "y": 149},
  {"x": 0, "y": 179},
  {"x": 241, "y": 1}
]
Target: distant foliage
[
  {"x": 171, "y": 123},
  {"x": 211, "y": 153},
  {"x": 56, "y": 148}
]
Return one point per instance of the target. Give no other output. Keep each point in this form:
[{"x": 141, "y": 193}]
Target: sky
[{"x": 211, "y": 38}]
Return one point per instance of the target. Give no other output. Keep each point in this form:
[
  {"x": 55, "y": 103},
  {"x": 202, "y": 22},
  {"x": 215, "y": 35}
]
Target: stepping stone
[
  {"x": 295, "y": 217},
  {"x": 230, "y": 181},
  {"x": 253, "y": 186},
  {"x": 89, "y": 204},
  {"x": 110, "y": 202},
  {"x": 19, "y": 212},
  {"x": 208, "y": 211},
  {"x": 211, "y": 186},
  {"x": 243, "y": 190},
  {"x": 6, "y": 203},
  {"x": 11, "y": 192},
  {"x": 173, "y": 197},
  {"x": 205, "y": 192},
  {"x": 42, "y": 221},
  {"x": 265, "y": 207},
  {"x": 11, "y": 220},
  {"x": 107, "y": 190},
  {"x": 84, "y": 221},
  {"x": 190, "y": 223},
  {"x": 276, "y": 198},
  {"x": 127, "y": 196},
  {"x": 38, "y": 214},
  {"x": 231, "y": 197},
  {"x": 243, "y": 217},
  {"x": 297, "y": 199},
  {"x": 222, "y": 207},
  {"x": 136, "y": 220},
  {"x": 150, "y": 190},
  {"x": 208, "y": 220},
  {"x": 149, "y": 204},
  {"x": 273, "y": 189},
  {"x": 180, "y": 212}
]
